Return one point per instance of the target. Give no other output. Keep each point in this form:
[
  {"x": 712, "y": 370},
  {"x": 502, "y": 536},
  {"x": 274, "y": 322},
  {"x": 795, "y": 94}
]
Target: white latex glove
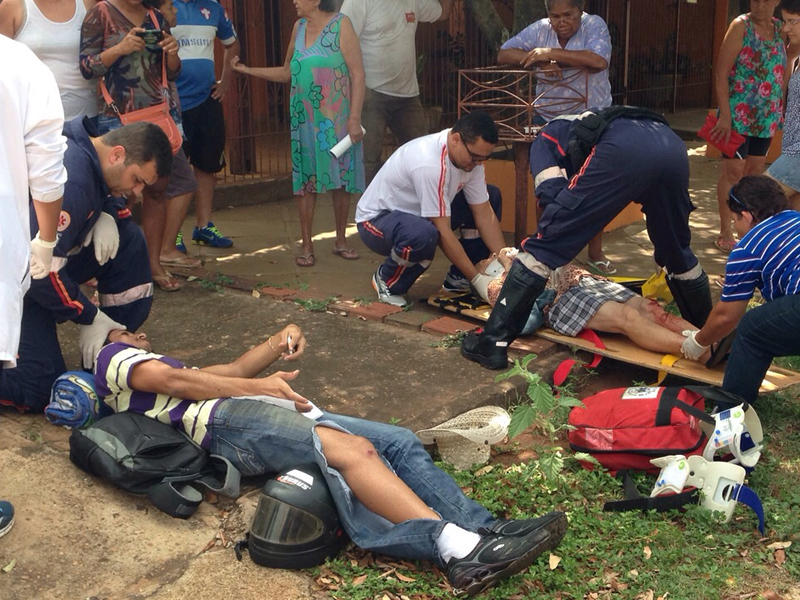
[
  {"x": 93, "y": 337},
  {"x": 41, "y": 257},
  {"x": 690, "y": 348},
  {"x": 105, "y": 236},
  {"x": 480, "y": 284}
]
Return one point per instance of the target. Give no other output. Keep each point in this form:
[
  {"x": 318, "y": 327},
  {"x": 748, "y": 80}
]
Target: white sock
[{"x": 455, "y": 542}]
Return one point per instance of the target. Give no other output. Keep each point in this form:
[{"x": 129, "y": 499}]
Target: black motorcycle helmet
[{"x": 296, "y": 524}]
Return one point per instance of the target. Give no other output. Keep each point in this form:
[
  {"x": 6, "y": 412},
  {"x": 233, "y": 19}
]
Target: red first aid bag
[{"x": 624, "y": 428}]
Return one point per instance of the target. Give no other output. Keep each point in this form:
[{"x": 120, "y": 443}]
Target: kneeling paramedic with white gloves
[
  {"x": 100, "y": 171},
  {"x": 428, "y": 188}
]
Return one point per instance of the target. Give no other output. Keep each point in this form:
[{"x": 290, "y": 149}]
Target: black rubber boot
[
  {"x": 521, "y": 289},
  {"x": 693, "y": 297}
]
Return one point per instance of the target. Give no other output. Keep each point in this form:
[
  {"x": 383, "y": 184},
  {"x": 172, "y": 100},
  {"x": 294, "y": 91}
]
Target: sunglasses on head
[{"x": 732, "y": 198}]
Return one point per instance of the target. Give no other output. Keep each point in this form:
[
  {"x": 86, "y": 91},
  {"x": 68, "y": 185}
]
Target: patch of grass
[
  {"x": 450, "y": 341},
  {"x": 689, "y": 555},
  {"x": 788, "y": 362},
  {"x": 364, "y": 300},
  {"x": 215, "y": 283},
  {"x": 313, "y": 305},
  {"x": 277, "y": 286}
]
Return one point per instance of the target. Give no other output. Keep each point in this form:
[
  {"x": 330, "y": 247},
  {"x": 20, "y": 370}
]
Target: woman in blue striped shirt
[{"x": 766, "y": 257}]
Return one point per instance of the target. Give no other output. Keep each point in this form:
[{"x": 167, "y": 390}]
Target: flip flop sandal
[
  {"x": 166, "y": 283},
  {"x": 182, "y": 262},
  {"x": 724, "y": 246},
  {"x": 601, "y": 267},
  {"x": 305, "y": 260},
  {"x": 346, "y": 253},
  {"x": 722, "y": 350}
]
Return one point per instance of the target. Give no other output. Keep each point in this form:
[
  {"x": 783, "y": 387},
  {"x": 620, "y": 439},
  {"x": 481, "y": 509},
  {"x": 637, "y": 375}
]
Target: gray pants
[{"x": 404, "y": 116}]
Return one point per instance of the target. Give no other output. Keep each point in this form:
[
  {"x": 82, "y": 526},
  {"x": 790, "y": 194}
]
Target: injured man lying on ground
[
  {"x": 390, "y": 496},
  {"x": 576, "y": 299}
]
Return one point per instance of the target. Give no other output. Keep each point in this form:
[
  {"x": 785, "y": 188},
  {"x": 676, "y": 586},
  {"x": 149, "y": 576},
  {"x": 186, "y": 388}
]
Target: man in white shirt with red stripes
[{"x": 428, "y": 188}]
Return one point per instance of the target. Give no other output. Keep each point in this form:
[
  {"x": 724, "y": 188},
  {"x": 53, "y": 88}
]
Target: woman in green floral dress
[{"x": 327, "y": 76}]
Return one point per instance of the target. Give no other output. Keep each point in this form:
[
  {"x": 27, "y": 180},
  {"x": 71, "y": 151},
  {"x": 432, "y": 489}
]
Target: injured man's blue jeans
[{"x": 259, "y": 438}]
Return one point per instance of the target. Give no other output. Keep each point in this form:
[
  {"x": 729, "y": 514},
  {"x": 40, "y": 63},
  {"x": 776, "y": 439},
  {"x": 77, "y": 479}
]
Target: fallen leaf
[
  {"x": 780, "y": 557},
  {"x": 358, "y": 580},
  {"x": 405, "y": 578},
  {"x": 256, "y": 294},
  {"x": 554, "y": 560},
  {"x": 484, "y": 470},
  {"x": 770, "y": 595},
  {"x": 191, "y": 278},
  {"x": 647, "y": 553},
  {"x": 648, "y": 595},
  {"x": 633, "y": 573},
  {"x": 779, "y": 545},
  {"x": 10, "y": 566}
]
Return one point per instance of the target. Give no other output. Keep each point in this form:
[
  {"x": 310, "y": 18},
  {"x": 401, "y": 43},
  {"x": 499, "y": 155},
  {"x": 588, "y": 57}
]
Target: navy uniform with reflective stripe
[
  {"x": 124, "y": 283},
  {"x": 634, "y": 160}
]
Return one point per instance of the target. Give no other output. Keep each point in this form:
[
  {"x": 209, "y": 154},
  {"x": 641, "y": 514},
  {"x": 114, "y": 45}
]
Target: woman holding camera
[{"x": 125, "y": 43}]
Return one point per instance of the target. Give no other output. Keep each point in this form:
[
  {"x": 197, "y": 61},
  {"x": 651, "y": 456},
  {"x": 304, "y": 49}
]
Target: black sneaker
[
  {"x": 6, "y": 517},
  {"x": 497, "y": 556},
  {"x": 555, "y": 522}
]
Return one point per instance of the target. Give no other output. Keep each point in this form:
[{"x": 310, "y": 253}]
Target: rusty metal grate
[{"x": 516, "y": 97}]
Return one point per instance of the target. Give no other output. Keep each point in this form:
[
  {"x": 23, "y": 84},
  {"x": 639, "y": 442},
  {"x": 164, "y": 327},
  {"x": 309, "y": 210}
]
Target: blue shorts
[{"x": 786, "y": 170}]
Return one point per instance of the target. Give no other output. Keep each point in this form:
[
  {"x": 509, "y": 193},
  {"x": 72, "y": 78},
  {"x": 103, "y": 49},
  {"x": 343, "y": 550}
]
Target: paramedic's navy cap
[{"x": 73, "y": 400}]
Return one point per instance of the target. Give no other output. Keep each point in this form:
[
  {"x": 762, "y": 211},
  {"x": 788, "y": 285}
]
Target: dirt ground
[{"x": 76, "y": 537}]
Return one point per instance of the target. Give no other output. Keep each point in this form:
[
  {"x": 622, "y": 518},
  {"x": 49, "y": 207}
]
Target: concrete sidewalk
[
  {"x": 266, "y": 240},
  {"x": 75, "y": 537}
]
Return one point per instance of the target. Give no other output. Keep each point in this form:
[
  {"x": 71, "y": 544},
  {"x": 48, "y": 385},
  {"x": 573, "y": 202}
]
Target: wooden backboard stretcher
[{"x": 617, "y": 347}]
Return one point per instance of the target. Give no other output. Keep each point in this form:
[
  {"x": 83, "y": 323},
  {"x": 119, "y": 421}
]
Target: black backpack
[{"x": 146, "y": 457}]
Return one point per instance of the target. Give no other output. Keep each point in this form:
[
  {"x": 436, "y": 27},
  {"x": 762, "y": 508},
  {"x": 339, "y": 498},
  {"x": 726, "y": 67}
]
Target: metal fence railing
[{"x": 662, "y": 55}]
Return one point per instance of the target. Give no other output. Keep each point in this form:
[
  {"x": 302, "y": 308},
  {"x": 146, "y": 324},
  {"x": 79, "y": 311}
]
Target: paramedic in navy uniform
[
  {"x": 97, "y": 238},
  {"x": 637, "y": 158}
]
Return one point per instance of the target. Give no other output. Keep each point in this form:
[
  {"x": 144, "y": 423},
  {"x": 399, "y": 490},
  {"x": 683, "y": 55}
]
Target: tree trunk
[
  {"x": 526, "y": 12},
  {"x": 492, "y": 27},
  {"x": 485, "y": 15}
]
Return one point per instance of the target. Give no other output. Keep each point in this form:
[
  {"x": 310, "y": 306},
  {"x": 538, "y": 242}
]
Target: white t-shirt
[
  {"x": 58, "y": 46},
  {"x": 31, "y": 158},
  {"x": 420, "y": 179},
  {"x": 386, "y": 30}
]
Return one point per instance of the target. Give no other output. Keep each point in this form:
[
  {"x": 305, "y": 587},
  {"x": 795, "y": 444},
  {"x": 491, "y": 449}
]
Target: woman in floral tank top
[{"x": 749, "y": 83}]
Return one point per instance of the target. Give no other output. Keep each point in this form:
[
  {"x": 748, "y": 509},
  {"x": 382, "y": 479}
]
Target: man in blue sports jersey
[
  {"x": 766, "y": 257},
  {"x": 199, "y": 23}
]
